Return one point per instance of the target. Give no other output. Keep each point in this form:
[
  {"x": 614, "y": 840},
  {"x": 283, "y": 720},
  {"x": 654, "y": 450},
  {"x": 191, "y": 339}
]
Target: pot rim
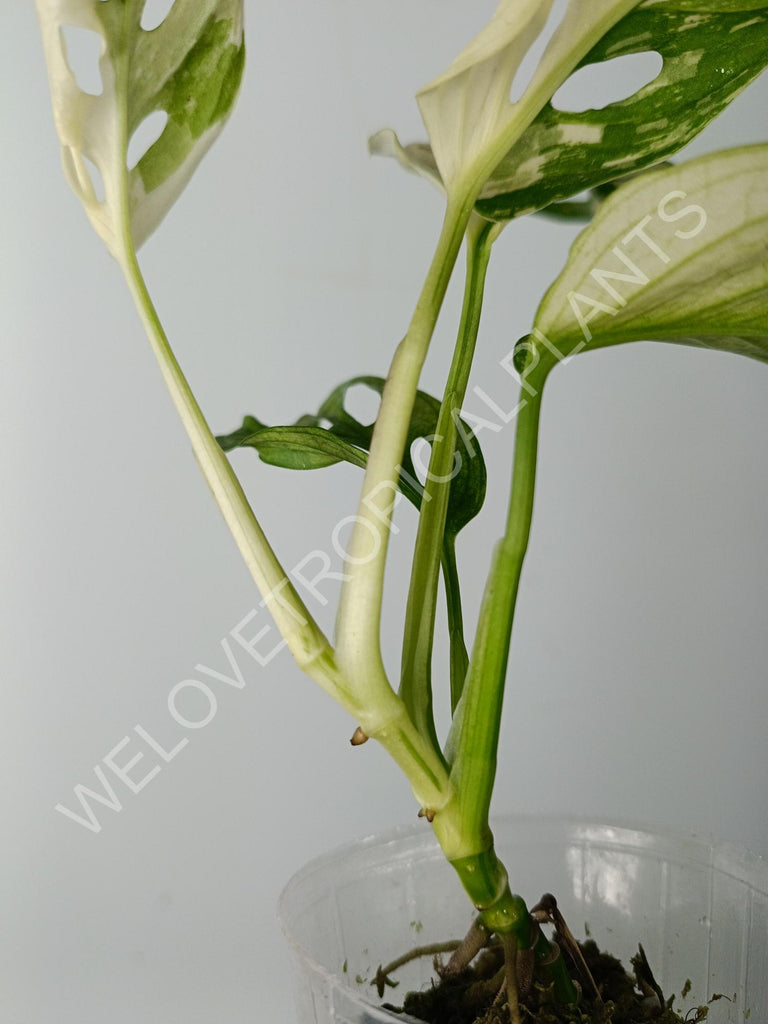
[{"x": 403, "y": 841}]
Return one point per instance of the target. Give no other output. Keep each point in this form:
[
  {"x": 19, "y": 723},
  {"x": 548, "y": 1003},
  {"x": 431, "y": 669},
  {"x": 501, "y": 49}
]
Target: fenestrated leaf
[
  {"x": 190, "y": 66},
  {"x": 676, "y": 256},
  {"x": 709, "y": 57},
  {"x": 469, "y": 103},
  {"x": 467, "y": 491},
  {"x": 711, "y": 50},
  {"x": 467, "y": 111},
  {"x": 307, "y": 445}
]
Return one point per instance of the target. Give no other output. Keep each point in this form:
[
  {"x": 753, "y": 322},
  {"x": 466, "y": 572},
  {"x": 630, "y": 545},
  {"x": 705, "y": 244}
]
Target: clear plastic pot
[{"x": 699, "y": 908}]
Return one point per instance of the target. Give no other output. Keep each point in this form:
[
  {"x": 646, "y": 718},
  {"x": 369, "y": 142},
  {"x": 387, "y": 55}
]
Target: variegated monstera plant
[{"x": 672, "y": 253}]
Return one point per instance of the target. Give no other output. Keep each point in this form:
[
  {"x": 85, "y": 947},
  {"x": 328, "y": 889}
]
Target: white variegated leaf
[
  {"x": 190, "y": 67},
  {"x": 416, "y": 157},
  {"x": 710, "y": 50},
  {"x": 467, "y": 111},
  {"x": 708, "y": 57},
  {"x": 678, "y": 255},
  {"x": 468, "y": 105}
]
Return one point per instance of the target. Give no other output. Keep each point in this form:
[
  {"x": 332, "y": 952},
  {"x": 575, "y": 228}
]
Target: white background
[{"x": 638, "y": 674}]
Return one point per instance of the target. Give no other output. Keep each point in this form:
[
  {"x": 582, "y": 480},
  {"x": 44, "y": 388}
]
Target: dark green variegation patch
[{"x": 199, "y": 95}]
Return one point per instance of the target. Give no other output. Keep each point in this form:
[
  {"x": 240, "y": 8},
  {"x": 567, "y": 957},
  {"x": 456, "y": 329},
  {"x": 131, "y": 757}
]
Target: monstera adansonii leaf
[
  {"x": 469, "y": 115},
  {"x": 188, "y": 67},
  {"x": 680, "y": 255},
  {"x": 711, "y": 50}
]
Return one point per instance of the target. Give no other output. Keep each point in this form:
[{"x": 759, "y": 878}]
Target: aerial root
[
  {"x": 383, "y": 980},
  {"x": 510, "y": 979},
  {"x": 546, "y": 911},
  {"x": 476, "y": 939}
]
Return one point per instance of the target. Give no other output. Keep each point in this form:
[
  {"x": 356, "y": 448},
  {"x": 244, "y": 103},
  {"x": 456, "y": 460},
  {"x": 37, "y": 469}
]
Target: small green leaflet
[
  {"x": 712, "y": 49},
  {"x": 301, "y": 446},
  {"x": 190, "y": 66},
  {"x": 308, "y": 445},
  {"x": 679, "y": 255}
]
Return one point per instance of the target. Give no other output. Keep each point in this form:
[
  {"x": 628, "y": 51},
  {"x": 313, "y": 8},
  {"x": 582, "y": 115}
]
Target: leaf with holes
[
  {"x": 675, "y": 256},
  {"x": 467, "y": 111},
  {"x": 308, "y": 445},
  {"x": 711, "y": 50},
  {"x": 469, "y": 103},
  {"x": 189, "y": 67},
  {"x": 709, "y": 56}
]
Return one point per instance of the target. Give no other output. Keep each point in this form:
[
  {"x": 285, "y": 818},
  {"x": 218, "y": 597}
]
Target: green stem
[
  {"x": 358, "y": 622},
  {"x": 474, "y": 768},
  {"x": 302, "y": 635},
  {"x": 459, "y": 658},
  {"x": 484, "y": 878},
  {"x": 432, "y": 543}
]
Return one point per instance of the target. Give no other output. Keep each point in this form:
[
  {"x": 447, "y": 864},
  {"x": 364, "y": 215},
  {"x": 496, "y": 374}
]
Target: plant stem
[
  {"x": 462, "y": 827},
  {"x": 457, "y": 648},
  {"x": 474, "y": 768},
  {"x": 303, "y": 637},
  {"x": 432, "y": 542},
  {"x": 485, "y": 880},
  {"x": 358, "y": 623}
]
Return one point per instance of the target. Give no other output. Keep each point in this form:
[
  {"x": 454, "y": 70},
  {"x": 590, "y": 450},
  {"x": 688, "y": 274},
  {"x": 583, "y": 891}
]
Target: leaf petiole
[
  {"x": 474, "y": 768},
  {"x": 436, "y": 536},
  {"x": 358, "y": 622},
  {"x": 302, "y": 635}
]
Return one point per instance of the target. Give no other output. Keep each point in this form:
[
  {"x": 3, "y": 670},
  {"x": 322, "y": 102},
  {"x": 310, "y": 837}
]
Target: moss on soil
[{"x": 468, "y": 998}]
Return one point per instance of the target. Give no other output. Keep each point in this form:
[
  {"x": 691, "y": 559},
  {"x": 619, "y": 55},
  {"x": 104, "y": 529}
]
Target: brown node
[{"x": 359, "y": 738}]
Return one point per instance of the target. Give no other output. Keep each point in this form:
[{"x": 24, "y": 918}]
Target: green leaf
[
  {"x": 190, "y": 66},
  {"x": 307, "y": 445},
  {"x": 679, "y": 255},
  {"x": 711, "y": 50},
  {"x": 709, "y": 58},
  {"x": 296, "y": 447}
]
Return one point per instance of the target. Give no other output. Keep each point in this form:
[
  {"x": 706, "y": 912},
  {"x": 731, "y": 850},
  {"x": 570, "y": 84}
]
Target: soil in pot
[{"x": 612, "y": 995}]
